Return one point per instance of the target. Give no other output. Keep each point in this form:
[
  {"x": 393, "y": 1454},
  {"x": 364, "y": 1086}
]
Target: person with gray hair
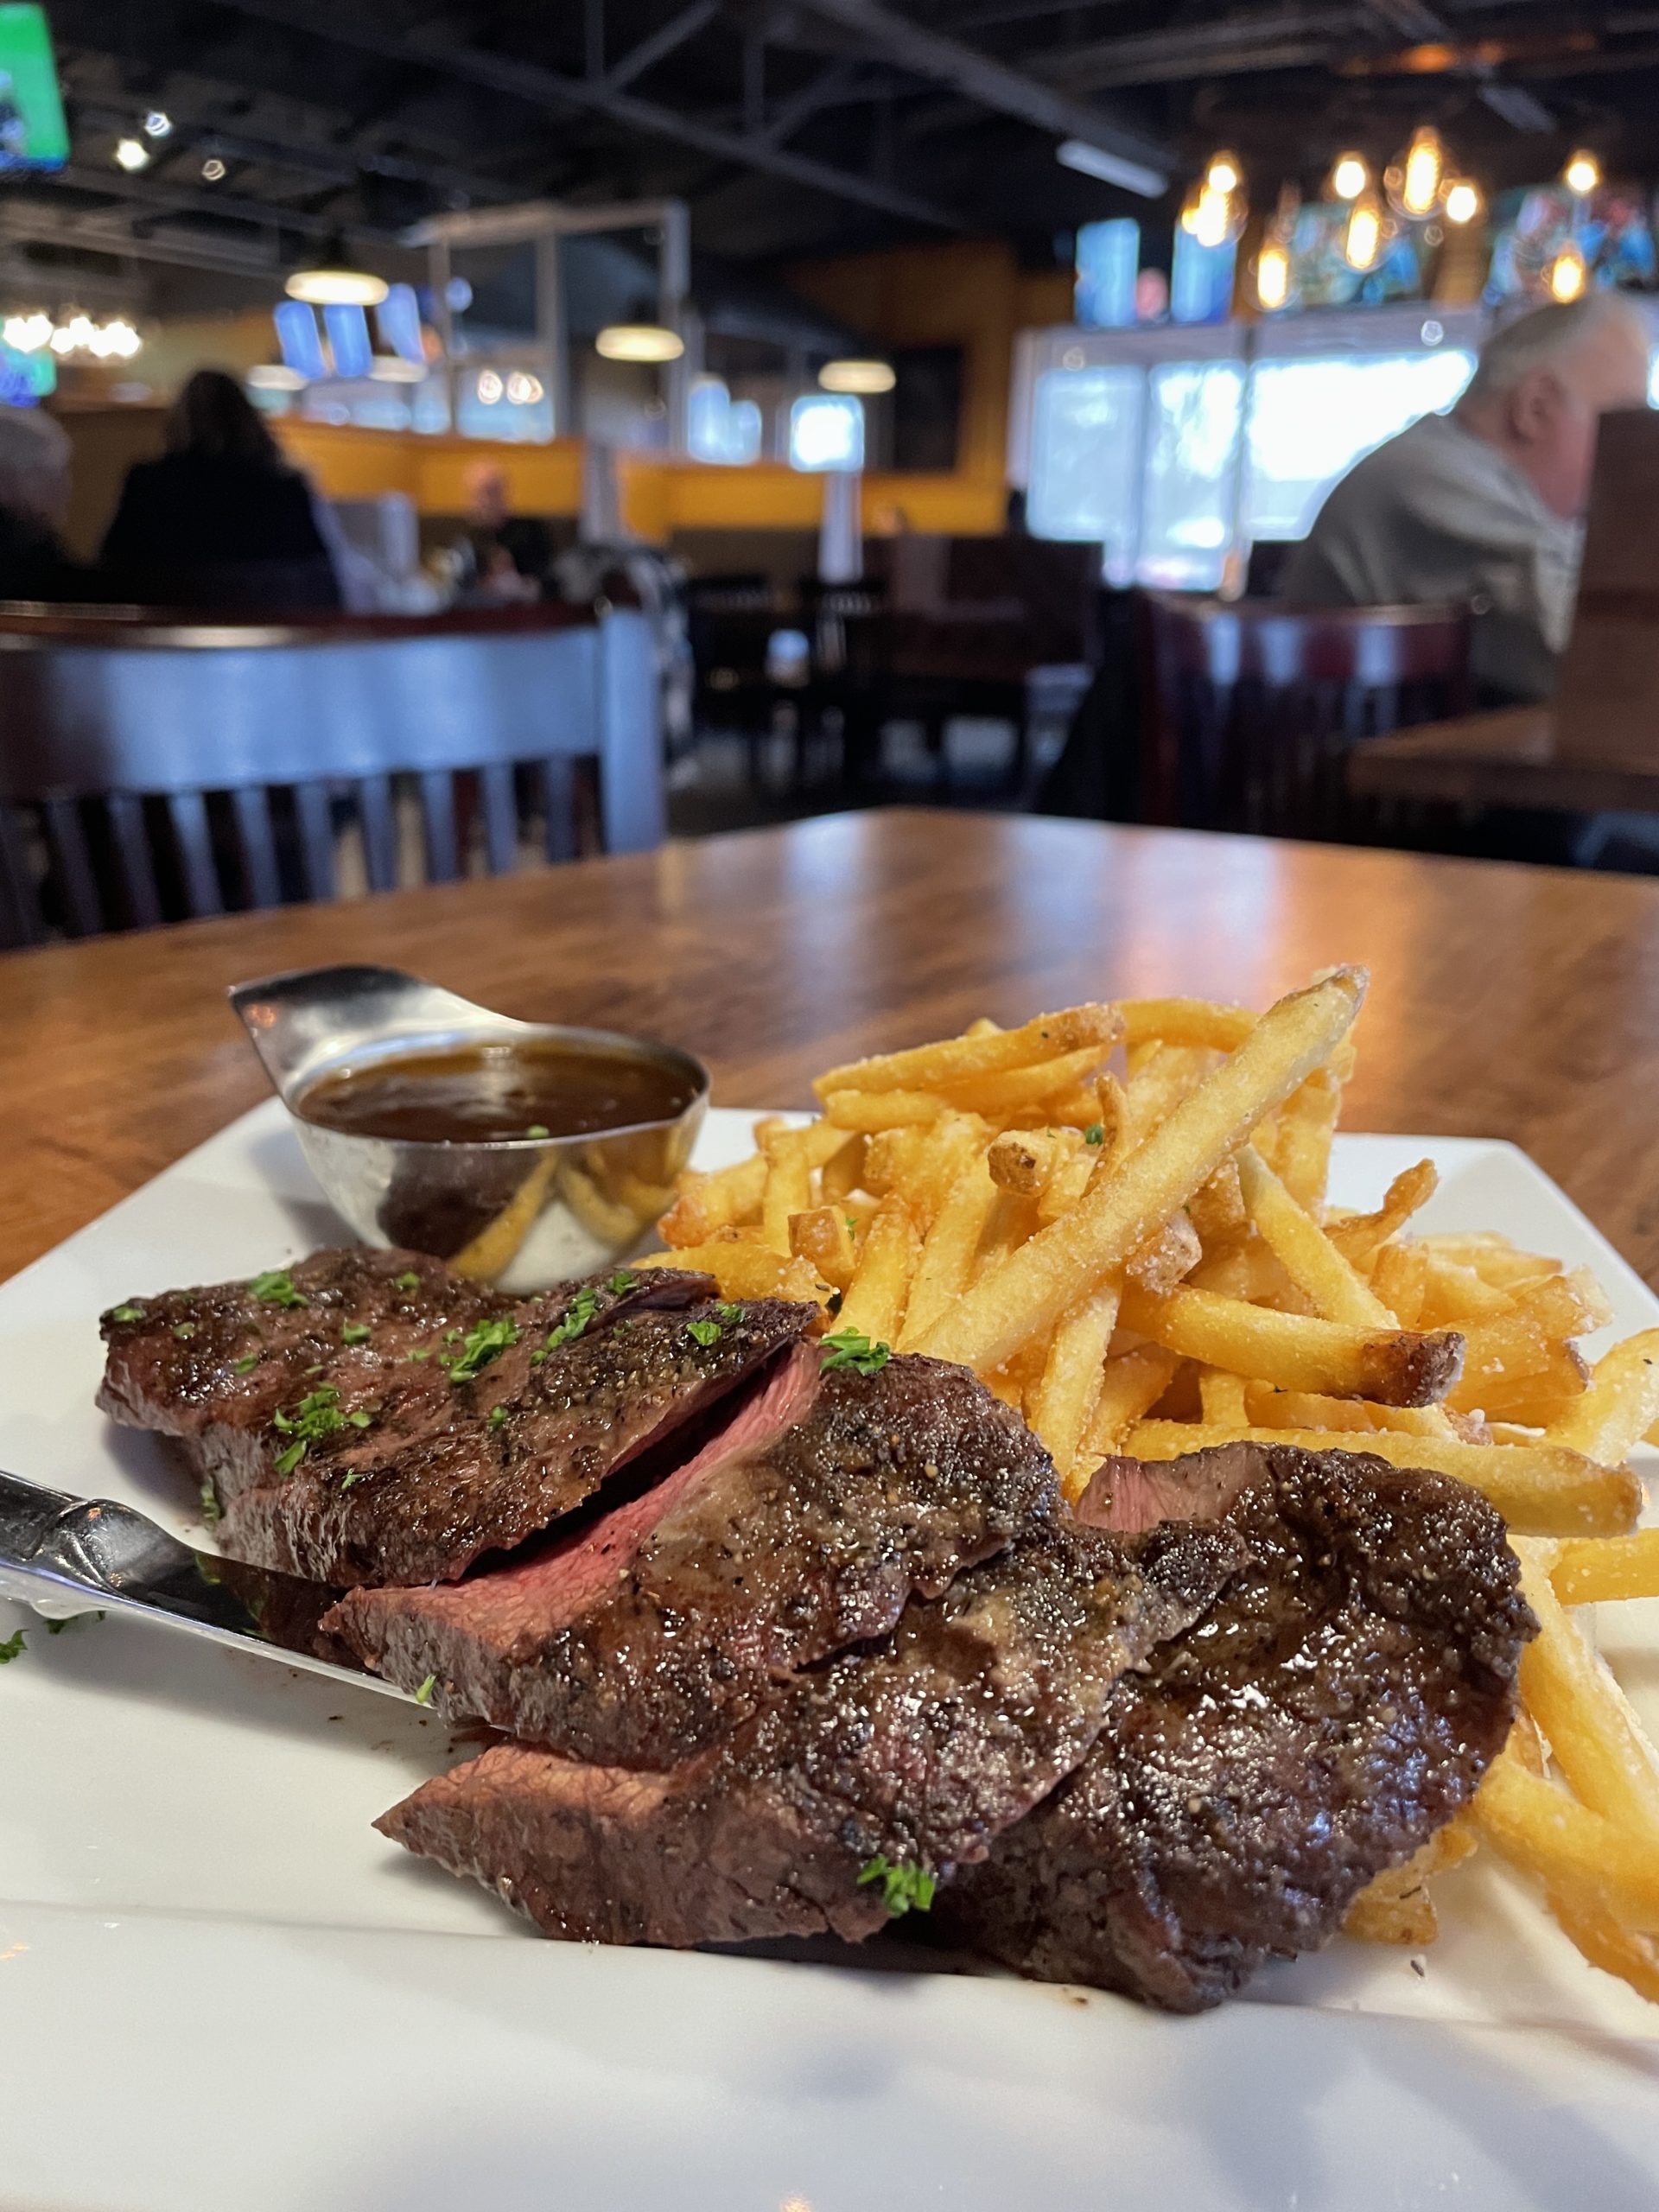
[
  {"x": 1486, "y": 504},
  {"x": 34, "y": 496}
]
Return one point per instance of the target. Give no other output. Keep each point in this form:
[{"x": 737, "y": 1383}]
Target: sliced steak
[
  {"x": 413, "y": 1465},
  {"x": 920, "y": 1752},
  {"x": 802, "y": 1527},
  {"x": 1335, "y": 1707}
]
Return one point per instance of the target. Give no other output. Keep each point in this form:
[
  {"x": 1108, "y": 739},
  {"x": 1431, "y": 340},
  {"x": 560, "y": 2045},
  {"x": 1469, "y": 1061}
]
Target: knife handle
[{"x": 29, "y": 1513}]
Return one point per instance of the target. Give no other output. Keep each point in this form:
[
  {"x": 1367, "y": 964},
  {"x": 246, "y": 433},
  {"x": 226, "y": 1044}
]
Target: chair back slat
[
  {"x": 125, "y": 812},
  {"x": 20, "y": 906},
  {"x": 72, "y": 865},
  {"x": 500, "y": 815},
  {"x": 559, "y": 807},
  {"x": 192, "y": 835},
  {"x": 438, "y": 806},
  {"x": 258, "y": 846},
  {"x": 314, "y": 817},
  {"x": 379, "y": 832}
]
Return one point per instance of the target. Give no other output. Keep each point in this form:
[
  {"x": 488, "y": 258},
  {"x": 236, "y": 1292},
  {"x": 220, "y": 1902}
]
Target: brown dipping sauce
[{"x": 468, "y": 1094}]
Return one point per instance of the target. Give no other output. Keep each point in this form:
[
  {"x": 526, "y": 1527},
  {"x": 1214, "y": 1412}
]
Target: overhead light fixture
[
  {"x": 1273, "y": 275},
  {"x": 1582, "y": 174},
  {"x": 26, "y": 334},
  {"x": 1462, "y": 201},
  {"x": 1362, "y": 238},
  {"x": 392, "y": 368},
  {"x": 523, "y": 389},
  {"x": 1567, "y": 276},
  {"x": 212, "y": 169},
  {"x": 337, "y": 288},
  {"x": 859, "y": 376},
  {"x": 1350, "y": 175},
  {"x": 157, "y": 124},
  {"x": 1224, "y": 174},
  {"x": 131, "y": 154},
  {"x": 276, "y": 376},
  {"x": 1111, "y": 168},
  {"x": 489, "y": 387},
  {"x": 1416, "y": 187},
  {"x": 640, "y": 341}
]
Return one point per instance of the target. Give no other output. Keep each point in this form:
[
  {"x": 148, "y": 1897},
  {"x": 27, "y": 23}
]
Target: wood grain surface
[
  {"x": 1506, "y": 1001},
  {"x": 1508, "y": 758}
]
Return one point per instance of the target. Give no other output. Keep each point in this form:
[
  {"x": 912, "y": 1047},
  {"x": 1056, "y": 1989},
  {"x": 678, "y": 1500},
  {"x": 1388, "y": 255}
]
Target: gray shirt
[{"x": 1437, "y": 513}]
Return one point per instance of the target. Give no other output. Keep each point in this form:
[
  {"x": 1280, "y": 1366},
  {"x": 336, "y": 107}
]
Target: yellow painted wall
[{"x": 347, "y": 463}]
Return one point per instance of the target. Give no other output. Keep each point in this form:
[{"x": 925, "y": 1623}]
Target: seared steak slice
[
  {"x": 921, "y": 1752},
  {"x": 802, "y": 1527},
  {"x": 412, "y": 1468},
  {"x": 1337, "y": 1705}
]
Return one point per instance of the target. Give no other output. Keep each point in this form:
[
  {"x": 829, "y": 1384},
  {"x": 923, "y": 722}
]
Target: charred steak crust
[
  {"x": 640, "y": 1641},
  {"x": 1336, "y": 1706},
  {"x": 424, "y": 1473},
  {"x": 924, "y": 1750}
]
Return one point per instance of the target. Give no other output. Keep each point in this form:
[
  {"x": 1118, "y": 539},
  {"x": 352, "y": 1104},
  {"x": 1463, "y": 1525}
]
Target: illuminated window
[
  {"x": 826, "y": 430},
  {"x": 1085, "y": 460},
  {"x": 1191, "y": 460},
  {"x": 1310, "y": 421},
  {"x": 719, "y": 428}
]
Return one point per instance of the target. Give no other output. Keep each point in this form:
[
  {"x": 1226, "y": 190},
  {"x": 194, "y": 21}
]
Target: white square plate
[{"x": 219, "y": 1987}]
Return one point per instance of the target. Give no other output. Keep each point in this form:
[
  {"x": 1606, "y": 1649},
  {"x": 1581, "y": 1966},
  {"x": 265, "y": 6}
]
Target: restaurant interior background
[{"x": 890, "y": 391}]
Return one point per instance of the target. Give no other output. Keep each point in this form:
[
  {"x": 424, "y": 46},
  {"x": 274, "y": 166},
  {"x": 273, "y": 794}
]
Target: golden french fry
[
  {"x": 1298, "y": 1351},
  {"x": 842, "y": 1172},
  {"x": 1222, "y": 1397},
  {"x": 1026, "y": 1293},
  {"x": 1216, "y": 1209},
  {"x": 1160, "y": 1077},
  {"x": 598, "y": 1212},
  {"x": 789, "y": 1186},
  {"x": 868, "y": 1111},
  {"x": 1362, "y": 1237},
  {"x": 1072, "y": 1178},
  {"x": 1167, "y": 1257},
  {"x": 1493, "y": 1258},
  {"x": 1399, "y": 1275},
  {"x": 1539, "y": 1490},
  {"x": 1131, "y": 1383},
  {"x": 1307, "y": 1122},
  {"x": 995, "y": 1052},
  {"x": 1026, "y": 1160},
  {"x": 1272, "y": 1408},
  {"x": 873, "y": 1304},
  {"x": 747, "y": 1271},
  {"x": 1016, "y": 1089},
  {"x": 1071, "y": 1380},
  {"x": 1396, "y": 1907},
  {"x": 1250, "y": 1271},
  {"x": 1632, "y": 1956},
  {"x": 951, "y": 1246},
  {"x": 1587, "y": 1570},
  {"x": 1541, "y": 1396},
  {"x": 496, "y": 1244},
  {"x": 1597, "y": 1742},
  {"x": 1310, "y": 1259},
  {"x": 1620, "y": 1404},
  {"x": 709, "y": 1202},
  {"x": 1578, "y": 1852},
  {"x": 1450, "y": 1294},
  {"x": 823, "y": 1237},
  {"x": 1185, "y": 1021}
]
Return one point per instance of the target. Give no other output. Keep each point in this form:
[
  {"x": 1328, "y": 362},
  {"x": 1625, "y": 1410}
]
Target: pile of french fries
[{"x": 1115, "y": 1215}]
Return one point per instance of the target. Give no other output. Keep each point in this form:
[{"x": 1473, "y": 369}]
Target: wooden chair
[
  {"x": 154, "y": 769},
  {"x": 1249, "y": 710}
]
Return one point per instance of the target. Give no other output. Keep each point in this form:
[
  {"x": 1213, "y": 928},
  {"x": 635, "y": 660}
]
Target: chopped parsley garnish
[
  {"x": 584, "y": 1307},
  {"x": 185, "y": 1331},
  {"x": 538, "y": 1129},
  {"x": 703, "y": 1333},
  {"x": 729, "y": 1314},
  {"x": 498, "y": 1417},
  {"x": 12, "y": 1647},
  {"x": 56, "y": 1628},
  {"x": 127, "y": 1313},
  {"x": 904, "y": 1889},
  {"x": 317, "y": 1369},
  {"x": 422, "y": 1351},
  {"x": 315, "y": 1417},
  {"x": 360, "y": 1419},
  {"x": 485, "y": 1341},
  {"x": 423, "y": 1695},
  {"x": 246, "y": 1364},
  {"x": 408, "y": 1280},
  {"x": 1095, "y": 1134},
  {"x": 621, "y": 1283},
  {"x": 275, "y": 1288},
  {"x": 852, "y": 1224},
  {"x": 354, "y": 1332},
  {"x": 212, "y": 1512},
  {"x": 848, "y": 1348}
]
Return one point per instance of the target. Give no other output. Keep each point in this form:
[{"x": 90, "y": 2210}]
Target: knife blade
[{"x": 65, "y": 1555}]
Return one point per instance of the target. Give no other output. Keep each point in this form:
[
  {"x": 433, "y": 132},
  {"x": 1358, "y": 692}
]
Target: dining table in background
[
  {"x": 1506, "y": 1001},
  {"x": 1509, "y": 757}
]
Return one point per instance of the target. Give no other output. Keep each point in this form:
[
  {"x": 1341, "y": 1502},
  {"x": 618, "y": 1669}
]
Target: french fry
[
  {"x": 1026, "y": 1160},
  {"x": 1620, "y": 1404},
  {"x": 1362, "y": 1237},
  {"x": 1070, "y": 1384},
  {"x": 1186, "y": 1021},
  {"x": 1587, "y": 1570},
  {"x": 822, "y": 1236},
  {"x": 1621, "y": 1951},
  {"x": 1272, "y": 1408},
  {"x": 934, "y": 1067},
  {"x": 1026, "y": 1294},
  {"x": 1451, "y": 1295},
  {"x": 789, "y": 1186},
  {"x": 1297, "y": 1351},
  {"x": 1307, "y": 1254},
  {"x": 1597, "y": 1742},
  {"x": 1164, "y": 1258},
  {"x": 1160, "y": 1077},
  {"x": 1071, "y": 1180},
  {"x": 843, "y": 1173},
  {"x": 1396, "y": 1907},
  {"x": 1131, "y": 1383},
  {"x": 950, "y": 1247},
  {"x": 873, "y": 1303},
  {"x": 1578, "y": 1851},
  {"x": 1493, "y": 1258},
  {"x": 1307, "y": 1122},
  {"x": 868, "y": 1111},
  {"x": 1016, "y": 1090},
  {"x": 709, "y": 1202},
  {"x": 1216, "y": 1209},
  {"x": 746, "y": 1271},
  {"x": 1399, "y": 1275},
  {"x": 1540, "y": 1490},
  {"x": 1222, "y": 1397}
]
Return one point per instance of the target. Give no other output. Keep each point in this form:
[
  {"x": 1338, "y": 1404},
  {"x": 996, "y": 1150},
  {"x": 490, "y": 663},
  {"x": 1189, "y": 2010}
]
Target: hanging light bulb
[
  {"x": 1582, "y": 174},
  {"x": 1349, "y": 176},
  {"x": 1567, "y": 274},
  {"x": 1420, "y": 171},
  {"x": 1272, "y": 275},
  {"x": 1361, "y": 240},
  {"x": 1224, "y": 174},
  {"x": 1462, "y": 201}
]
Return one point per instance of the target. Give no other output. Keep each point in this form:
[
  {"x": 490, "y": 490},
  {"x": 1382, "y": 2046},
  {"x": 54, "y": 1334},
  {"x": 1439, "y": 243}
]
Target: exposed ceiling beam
[
  {"x": 551, "y": 90},
  {"x": 142, "y": 191},
  {"x": 992, "y": 84},
  {"x": 661, "y": 43},
  {"x": 27, "y": 221}
]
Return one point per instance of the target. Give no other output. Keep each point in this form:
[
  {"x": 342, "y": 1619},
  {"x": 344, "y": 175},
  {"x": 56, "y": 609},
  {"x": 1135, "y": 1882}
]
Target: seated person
[
  {"x": 34, "y": 496},
  {"x": 508, "y": 556},
  {"x": 221, "y": 521},
  {"x": 1486, "y": 503}
]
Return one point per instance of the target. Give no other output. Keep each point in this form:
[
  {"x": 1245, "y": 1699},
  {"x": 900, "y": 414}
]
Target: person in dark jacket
[
  {"x": 221, "y": 521},
  {"x": 34, "y": 495}
]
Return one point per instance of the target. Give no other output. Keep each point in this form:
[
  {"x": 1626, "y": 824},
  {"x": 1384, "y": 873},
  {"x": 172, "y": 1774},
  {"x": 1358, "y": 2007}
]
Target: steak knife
[{"x": 66, "y": 1556}]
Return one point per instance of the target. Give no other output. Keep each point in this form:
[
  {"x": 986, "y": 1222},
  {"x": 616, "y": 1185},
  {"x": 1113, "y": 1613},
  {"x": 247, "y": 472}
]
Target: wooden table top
[
  {"x": 1506, "y": 1001},
  {"x": 1504, "y": 758}
]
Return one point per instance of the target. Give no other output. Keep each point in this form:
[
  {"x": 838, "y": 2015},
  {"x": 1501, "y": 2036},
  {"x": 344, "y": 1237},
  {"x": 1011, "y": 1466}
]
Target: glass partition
[
  {"x": 1191, "y": 474},
  {"x": 1085, "y": 460}
]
